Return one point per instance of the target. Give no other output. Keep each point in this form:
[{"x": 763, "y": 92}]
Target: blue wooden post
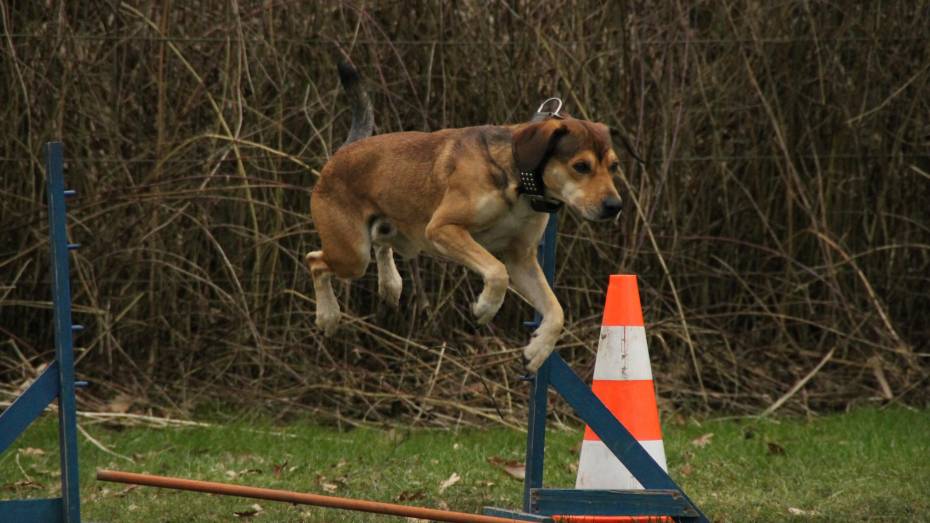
[
  {"x": 64, "y": 349},
  {"x": 547, "y": 249},
  {"x": 536, "y": 434},
  {"x": 536, "y": 429},
  {"x": 58, "y": 379}
]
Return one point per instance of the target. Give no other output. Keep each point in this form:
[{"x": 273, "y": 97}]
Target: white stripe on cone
[
  {"x": 598, "y": 468},
  {"x": 622, "y": 354}
]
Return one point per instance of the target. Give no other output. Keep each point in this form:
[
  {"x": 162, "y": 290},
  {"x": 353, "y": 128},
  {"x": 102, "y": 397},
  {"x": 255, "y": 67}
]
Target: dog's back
[{"x": 379, "y": 167}]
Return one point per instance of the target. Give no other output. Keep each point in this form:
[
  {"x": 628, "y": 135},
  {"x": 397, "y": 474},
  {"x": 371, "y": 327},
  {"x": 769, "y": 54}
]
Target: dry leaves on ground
[
  {"x": 513, "y": 468},
  {"x": 451, "y": 480},
  {"x": 703, "y": 441},
  {"x": 801, "y": 512},
  {"x": 775, "y": 449},
  {"x": 253, "y": 511}
]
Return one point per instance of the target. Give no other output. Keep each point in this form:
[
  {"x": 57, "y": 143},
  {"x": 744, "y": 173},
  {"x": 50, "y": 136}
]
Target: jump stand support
[
  {"x": 57, "y": 381},
  {"x": 661, "y": 497}
]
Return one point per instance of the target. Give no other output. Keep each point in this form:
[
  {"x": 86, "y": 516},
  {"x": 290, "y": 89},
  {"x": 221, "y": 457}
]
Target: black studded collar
[{"x": 531, "y": 184}]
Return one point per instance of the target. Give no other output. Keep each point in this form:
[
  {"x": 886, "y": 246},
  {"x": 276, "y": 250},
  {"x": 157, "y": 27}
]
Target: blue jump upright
[
  {"x": 661, "y": 497},
  {"x": 58, "y": 379}
]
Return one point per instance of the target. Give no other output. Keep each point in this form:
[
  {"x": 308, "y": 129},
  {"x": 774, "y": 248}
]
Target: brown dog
[{"x": 458, "y": 194}]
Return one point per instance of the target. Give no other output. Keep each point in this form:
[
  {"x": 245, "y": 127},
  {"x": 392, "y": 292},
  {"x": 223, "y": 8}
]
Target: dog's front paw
[
  {"x": 485, "y": 308},
  {"x": 328, "y": 322},
  {"x": 537, "y": 351}
]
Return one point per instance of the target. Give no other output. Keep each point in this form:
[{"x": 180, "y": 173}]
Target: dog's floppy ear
[{"x": 533, "y": 144}]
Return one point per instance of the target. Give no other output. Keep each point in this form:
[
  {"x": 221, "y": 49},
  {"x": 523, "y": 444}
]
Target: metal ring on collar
[{"x": 555, "y": 113}]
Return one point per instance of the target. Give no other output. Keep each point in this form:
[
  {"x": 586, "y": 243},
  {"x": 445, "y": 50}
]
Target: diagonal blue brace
[{"x": 614, "y": 435}]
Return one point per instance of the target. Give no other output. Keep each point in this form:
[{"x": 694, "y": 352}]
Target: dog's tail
[{"x": 363, "y": 117}]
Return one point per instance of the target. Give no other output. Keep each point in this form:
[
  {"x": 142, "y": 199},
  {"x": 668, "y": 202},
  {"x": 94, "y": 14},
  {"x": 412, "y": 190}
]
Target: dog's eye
[
  {"x": 614, "y": 167},
  {"x": 582, "y": 167}
]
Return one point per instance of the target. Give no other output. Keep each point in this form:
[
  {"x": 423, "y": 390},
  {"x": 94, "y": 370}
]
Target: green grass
[{"x": 865, "y": 465}]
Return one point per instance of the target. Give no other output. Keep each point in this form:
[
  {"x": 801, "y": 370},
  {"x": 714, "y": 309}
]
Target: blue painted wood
[
  {"x": 611, "y": 502},
  {"x": 536, "y": 425},
  {"x": 23, "y": 510},
  {"x": 614, "y": 435},
  {"x": 536, "y": 433},
  {"x": 28, "y": 406},
  {"x": 515, "y": 514},
  {"x": 64, "y": 349},
  {"x": 547, "y": 249}
]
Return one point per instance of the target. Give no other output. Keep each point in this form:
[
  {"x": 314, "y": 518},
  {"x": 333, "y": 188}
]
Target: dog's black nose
[{"x": 610, "y": 208}]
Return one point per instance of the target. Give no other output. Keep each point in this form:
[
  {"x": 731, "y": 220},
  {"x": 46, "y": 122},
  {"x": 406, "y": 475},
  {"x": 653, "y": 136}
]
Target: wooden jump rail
[{"x": 360, "y": 505}]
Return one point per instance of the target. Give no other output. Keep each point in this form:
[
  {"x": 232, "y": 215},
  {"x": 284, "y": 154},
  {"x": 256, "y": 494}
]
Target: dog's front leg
[
  {"x": 455, "y": 242},
  {"x": 528, "y": 279}
]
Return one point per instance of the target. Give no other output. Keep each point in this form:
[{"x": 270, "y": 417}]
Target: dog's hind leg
[
  {"x": 327, "y": 308},
  {"x": 390, "y": 283},
  {"x": 345, "y": 253}
]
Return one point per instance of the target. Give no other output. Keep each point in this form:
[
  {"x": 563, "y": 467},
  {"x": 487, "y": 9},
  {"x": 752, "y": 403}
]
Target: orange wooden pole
[{"x": 361, "y": 505}]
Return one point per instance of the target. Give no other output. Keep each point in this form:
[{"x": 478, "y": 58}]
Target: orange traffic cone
[{"x": 623, "y": 381}]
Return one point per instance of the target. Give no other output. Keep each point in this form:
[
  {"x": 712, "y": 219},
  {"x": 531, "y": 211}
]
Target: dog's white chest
[{"x": 516, "y": 223}]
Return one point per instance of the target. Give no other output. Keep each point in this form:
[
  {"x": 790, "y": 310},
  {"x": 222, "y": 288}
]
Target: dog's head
[{"x": 578, "y": 163}]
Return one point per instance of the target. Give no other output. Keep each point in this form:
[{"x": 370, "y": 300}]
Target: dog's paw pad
[
  {"x": 536, "y": 352},
  {"x": 534, "y": 364}
]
